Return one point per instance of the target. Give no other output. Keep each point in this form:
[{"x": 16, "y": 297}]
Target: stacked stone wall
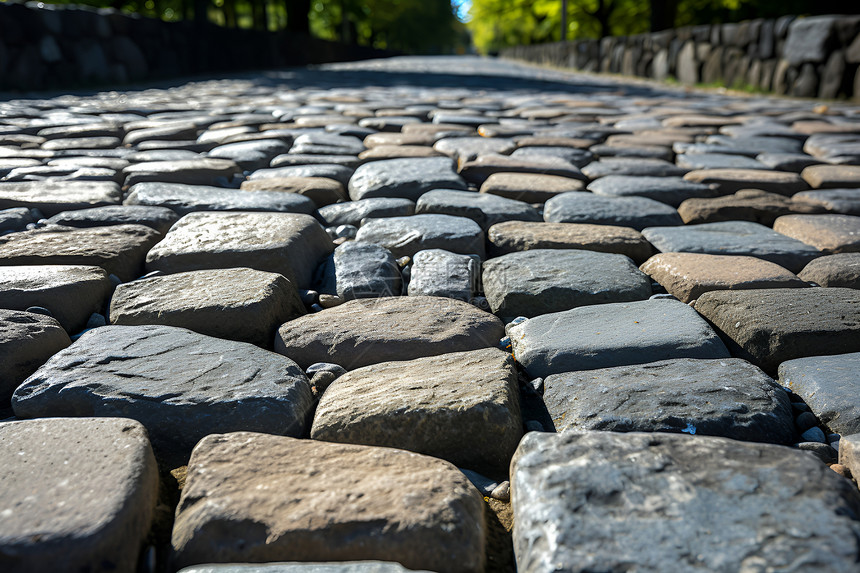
[
  {"x": 817, "y": 56},
  {"x": 44, "y": 46}
]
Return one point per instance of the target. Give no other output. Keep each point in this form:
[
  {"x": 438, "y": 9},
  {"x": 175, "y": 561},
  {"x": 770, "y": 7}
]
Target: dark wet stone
[
  {"x": 485, "y": 209},
  {"x": 353, "y": 212},
  {"x": 360, "y": 270},
  {"x": 635, "y": 212},
  {"x": 405, "y": 236},
  {"x": 167, "y": 379},
  {"x": 616, "y": 334},
  {"x": 724, "y": 397},
  {"x": 404, "y": 178},
  {"x": 669, "y": 190},
  {"x": 158, "y": 218}
]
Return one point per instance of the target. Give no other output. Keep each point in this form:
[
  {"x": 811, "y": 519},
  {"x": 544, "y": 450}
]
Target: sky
[{"x": 461, "y": 8}]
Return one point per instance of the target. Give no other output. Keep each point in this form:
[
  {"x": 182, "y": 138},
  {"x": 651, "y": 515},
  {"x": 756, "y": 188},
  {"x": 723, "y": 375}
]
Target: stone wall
[
  {"x": 44, "y": 46},
  {"x": 805, "y": 57}
]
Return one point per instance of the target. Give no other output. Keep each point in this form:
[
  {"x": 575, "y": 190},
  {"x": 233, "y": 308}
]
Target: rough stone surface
[
  {"x": 78, "y": 495},
  {"x": 647, "y": 494},
  {"x": 529, "y": 187},
  {"x": 182, "y": 386},
  {"x": 184, "y": 199},
  {"x": 329, "y": 567},
  {"x": 729, "y": 181},
  {"x": 52, "y": 197},
  {"x": 515, "y": 236},
  {"x": 688, "y": 275},
  {"x": 617, "y": 334},
  {"x": 119, "y": 249},
  {"x": 540, "y": 281},
  {"x": 321, "y": 190},
  {"x": 353, "y": 212},
  {"x": 669, "y": 190},
  {"x": 828, "y": 233},
  {"x": 726, "y": 397},
  {"x": 427, "y": 406},
  {"x": 829, "y": 386},
  {"x": 27, "y": 341},
  {"x": 71, "y": 293},
  {"x": 405, "y": 236},
  {"x": 202, "y": 171},
  {"x": 635, "y": 212},
  {"x": 436, "y": 272},
  {"x": 485, "y": 209},
  {"x": 845, "y": 201},
  {"x": 234, "y": 304},
  {"x": 363, "y": 332},
  {"x": 743, "y": 238},
  {"x": 834, "y": 271},
  {"x": 284, "y": 243},
  {"x": 404, "y": 178},
  {"x": 158, "y": 218},
  {"x": 15, "y": 219},
  {"x": 832, "y": 176},
  {"x": 769, "y": 326},
  {"x": 304, "y": 500},
  {"x": 745, "y": 205},
  {"x": 483, "y": 167},
  {"x": 360, "y": 270}
]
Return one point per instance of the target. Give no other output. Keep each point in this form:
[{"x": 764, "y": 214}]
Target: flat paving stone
[
  {"x": 480, "y": 169},
  {"x": 250, "y": 155},
  {"x": 841, "y": 270},
  {"x": 794, "y": 162},
  {"x": 669, "y": 190},
  {"x": 769, "y": 326},
  {"x": 353, "y": 212},
  {"x": 364, "y": 332},
  {"x": 529, "y": 187},
  {"x": 608, "y": 335},
  {"x": 844, "y": 201},
  {"x": 635, "y": 212},
  {"x": 360, "y": 270},
  {"x": 729, "y": 181},
  {"x": 717, "y": 161},
  {"x": 724, "y": 397},
  {"x": 832, "y": 176},
  {"x": 641, "y": 167},
  {"x": 184, "y": 199},
  {"x": 52, "y": 197},
  {"x": 119, "y": 249},
  {"x": 464, "y": 149},
  {"x": 404, "y": 178},
  {"x": 829, "y": 386},
  {"x": 485, "y": 209},
  {"x": 829, "y": 234},
  {"x": 78, "y": 495},
  {"x": 321, "y": 190},
  {"x": 436, "y": 272},
  {"x": 405, "y": 236},
  {"x": 158, "y": 218},
  {"x": 71, "y": 293},
  {"x": 687, "y": 276},
  {"x": 27, "y": 340},
  {"x": 745, "y": 205},
  {"x": 516, "y": 236},
  {"x": 339, "y": 173},
  {"x": 285, "y": 243},
  {"x": 315, "y": 501},
  {"x": 235, "y": 304},
  {"x": 638, "y": 514},
  {"x": 743, "y": 238},
  {"x": 540, "y": 281},
  {"x": 424, "y": 406},
  {"x": 203, "y": 171},
  {"x": 182, "y": 386}
]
